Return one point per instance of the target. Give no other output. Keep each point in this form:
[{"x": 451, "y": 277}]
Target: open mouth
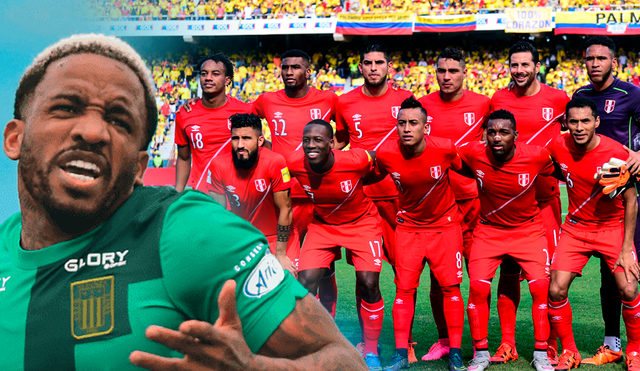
[{"x": 82, "y": 170}]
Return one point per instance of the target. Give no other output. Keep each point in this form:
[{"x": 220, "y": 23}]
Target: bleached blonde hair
[{"x": 107, "y": 46}]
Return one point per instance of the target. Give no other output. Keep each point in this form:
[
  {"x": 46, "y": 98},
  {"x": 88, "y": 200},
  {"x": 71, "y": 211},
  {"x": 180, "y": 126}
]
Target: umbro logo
[
  {"x": 395, "y": 175},
  {"x": 195, "y": 128},
  {"x": 455, "y": 298},
  {"x": 357, "y": 117},
  {"x": 4, "y": 283},
  {"x": 231, "y": 189},
  {"x": 479, "y": 173},
  {"x": 542, "y": 306},
  {"x": 377, "y": 262},
  {"x": 306, "y": 188},
  {"x": 277, "y": 115},
  {"x": 471, "y": 306},
  {"x": 399, "y": 301},
  {"x": 556, "y": 318},
  {"x": 637, "y": 315},
  {"x": 459, "y": 274},
  {"x": 374, "y": 317}
]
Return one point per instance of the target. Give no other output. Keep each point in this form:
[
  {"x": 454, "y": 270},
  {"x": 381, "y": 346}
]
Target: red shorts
[
  {"x": 551, "y": 214},
  {"x": 526, "y": 244},
  {"x": 293, "y": 246},
  {"x": 362, "y": 239},
  {"x": 302, "y": 214},
  {"x": 577, "y": 244},
  {"x": 469, "y": 209},
  {"x": 388, "y": 209},
  {"x": 420, "y": 244}
]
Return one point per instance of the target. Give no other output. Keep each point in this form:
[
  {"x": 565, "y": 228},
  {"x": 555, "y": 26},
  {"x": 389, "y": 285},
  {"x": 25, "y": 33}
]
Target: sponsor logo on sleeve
[
  {"x": 265, "y": 277},
  {"x": 286, "y": 176}
]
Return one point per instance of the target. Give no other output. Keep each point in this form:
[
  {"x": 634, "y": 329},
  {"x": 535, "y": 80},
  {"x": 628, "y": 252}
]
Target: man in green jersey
[{"x": 95, "y": 259}]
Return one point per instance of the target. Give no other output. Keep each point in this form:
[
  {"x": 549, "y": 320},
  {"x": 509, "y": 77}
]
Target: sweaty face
[
  {"x": 244, "y": 147},
  {"x": 600, "y": 63},
  {"x": 212, "y": 78},
  {"x": 317, "y": 144},
  {"x": 295, "y": 72},
  {"x": 412, "y": 126},
  {"x": 450, "y": 75},
  {"x": 500, "y": 138},
  {"x": 374, "y": 69},
  {"x": 523, "y": 70},
  {"x": 84, "y": 128},
  {"x": 582, "y": 125}
]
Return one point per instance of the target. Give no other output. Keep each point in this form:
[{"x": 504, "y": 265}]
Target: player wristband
[{"x": 283, "y": 233}]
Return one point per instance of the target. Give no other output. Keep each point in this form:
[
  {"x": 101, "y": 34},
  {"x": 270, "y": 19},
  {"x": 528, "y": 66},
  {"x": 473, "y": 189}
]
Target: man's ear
[
  {"x": 143, "y": 161},
  {"x": 13, "y": 135}
]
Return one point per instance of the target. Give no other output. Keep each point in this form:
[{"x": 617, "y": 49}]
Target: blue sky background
[{"x": 28, "y": 26}]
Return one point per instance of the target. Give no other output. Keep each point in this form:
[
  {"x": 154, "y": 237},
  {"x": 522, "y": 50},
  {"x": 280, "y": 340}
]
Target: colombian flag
[
  {"x": 375, "y": 24},
  {"x": 598, "y": 23},
  {"x": 449, "y": 24}
]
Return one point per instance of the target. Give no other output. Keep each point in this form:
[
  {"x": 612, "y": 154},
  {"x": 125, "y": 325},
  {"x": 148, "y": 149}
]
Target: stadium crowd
[
  {"x": 257, "y": 73},
  {"x": 259, "y": 9}
]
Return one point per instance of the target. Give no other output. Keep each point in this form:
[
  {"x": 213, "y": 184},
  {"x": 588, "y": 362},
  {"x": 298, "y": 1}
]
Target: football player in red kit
[
  {"x": 428, "y": 220},
  {"x": 596, "y": 223},
  {"x": 510, "y": 226},
  {"x": 539, "y": 110},
  {"x": 457, "y": 114},
  {"x": 256, "y": 184},
  {"x": 343, "y": 216},
  {"x": 202, "y": 132}
]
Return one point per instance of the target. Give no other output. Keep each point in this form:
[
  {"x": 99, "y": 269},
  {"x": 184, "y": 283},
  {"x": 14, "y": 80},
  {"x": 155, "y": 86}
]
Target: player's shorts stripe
[
  {"x": 372, "y": 310},
  {"x": 385, "y": 138},
  {"x": 206, "y": 168},
  {"x": 544, "y": 127},
  {"x": 559, "y": 306},
  {"x": 469, "y": 131},
  {"x": 508, "y": 202},
  {"x": 260, "y": 203},
  {"x": 345, "y": 200},
  {"x": 587, "y": 200}
]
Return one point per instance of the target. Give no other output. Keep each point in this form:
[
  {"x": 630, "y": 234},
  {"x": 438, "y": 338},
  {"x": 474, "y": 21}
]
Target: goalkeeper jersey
[
  {"x": 161, "y": 259},
  {"x": 588, "y": 206}
]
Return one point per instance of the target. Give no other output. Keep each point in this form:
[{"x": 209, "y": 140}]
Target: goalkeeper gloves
[{"x": 613, "y": 177}]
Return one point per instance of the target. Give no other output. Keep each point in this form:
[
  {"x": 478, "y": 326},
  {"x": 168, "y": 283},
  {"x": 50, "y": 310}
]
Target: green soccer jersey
[{"x": 161, "y": 259}]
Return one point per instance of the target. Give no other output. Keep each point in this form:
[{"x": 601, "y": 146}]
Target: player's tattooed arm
[
  {"x": 282, "y": 200},
  {"x": 626, "y": 259},
  {"x": 307, "y": 339}
]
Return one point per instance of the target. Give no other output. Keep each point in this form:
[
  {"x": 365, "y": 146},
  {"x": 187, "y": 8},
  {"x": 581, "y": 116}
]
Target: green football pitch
[{"x": 584, "y": 296}]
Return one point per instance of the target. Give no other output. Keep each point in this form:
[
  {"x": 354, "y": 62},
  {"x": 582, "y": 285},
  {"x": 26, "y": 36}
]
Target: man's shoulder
[
  {"x": 584, "y": 91},
  {"x": 627, "y": 87},
  {"x": 547, "y": 90},
  {"x": 440, "y": 143},
  {"x": 9, "y": 228},
  {"x": 353, "y": 95},
  {"x": 477, "y": 97}
]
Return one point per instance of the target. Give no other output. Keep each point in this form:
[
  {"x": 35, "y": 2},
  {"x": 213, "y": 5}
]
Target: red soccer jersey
[
  {"x": 461, "y": 121},
  {"x": 507, "y": 197},
  {"x": 538, "y": 119},
  {"x": 287, "y": 118},
  {"x": 587, "y": 204},
  {"x": 370, "y": 122},
  {"x": 422, "y": 182},
  {"x": 207, "y": 132},
  {"x": 250, "y": 192},
  {"x": 337, "y": 195}
]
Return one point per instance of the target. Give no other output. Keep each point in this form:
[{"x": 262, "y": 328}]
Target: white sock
[
  {"x": 539, "y": 353},
  {"x": 613, "y": 342},
  {"x": 482, "y": 354}
]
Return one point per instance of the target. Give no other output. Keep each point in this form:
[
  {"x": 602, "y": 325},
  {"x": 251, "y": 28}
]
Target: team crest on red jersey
[
  {"x": 436, "y": 171},
  {"x": 394, "y": 111},
  {"x": 547, "y": 113},
  {"x": 609, "y": 105},
  {"x": 316, "y": 114},
  {"x": 469, "y": 118},
  {"x": 261, "y": 185},
  {"x": 346, "y": 186},
  {"x": 523, "y": 179}
]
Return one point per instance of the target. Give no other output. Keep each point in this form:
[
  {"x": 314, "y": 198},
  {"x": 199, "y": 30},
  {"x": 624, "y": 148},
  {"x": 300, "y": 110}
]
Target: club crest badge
[
  {"x": 316, "y": 114},
  {"x": 436, "y": 171},
  {"x": 609, "y": 105},
  {"x": 92, "y": 307},
  {"x": 523, "y": 179},
  {"x": 547, "y": 113},
  {"x": 394, "y": 111},
  {"x": 261, "y": 185},
  {"x": 469, "y": 118},
  {"x": 346, "y": 186}
]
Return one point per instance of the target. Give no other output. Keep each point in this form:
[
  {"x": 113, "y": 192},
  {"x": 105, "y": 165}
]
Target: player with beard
[
  {"x": 539, "y": 110},
  {"x": 428, "y": 220},
  {"x": 366, "y": 118},
  {"x": 287, "y": 112},
  {"x": 256, "y": 184},
  {"x": 202, "y": 133},
  {"x": 509, "y": 227},
  {"x": 95, "y": 260},
  {"x": 618, "y": 105},
  {"x": 596, "y": 223},
  {"x": 457, "y": 114},
  {"x": 343, "y": 216}
]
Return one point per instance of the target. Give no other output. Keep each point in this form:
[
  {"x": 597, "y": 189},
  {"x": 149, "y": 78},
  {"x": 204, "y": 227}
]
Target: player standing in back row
[
  {"x": 457, "y": 114},
  {"x": 539, "y": 110}
]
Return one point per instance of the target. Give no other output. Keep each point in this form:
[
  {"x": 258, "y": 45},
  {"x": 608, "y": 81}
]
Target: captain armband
[{"x": 283, "y": 233}]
